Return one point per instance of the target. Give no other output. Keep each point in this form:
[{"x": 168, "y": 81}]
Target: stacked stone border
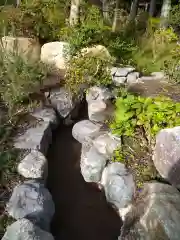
[{"x": 31, "y": 204}]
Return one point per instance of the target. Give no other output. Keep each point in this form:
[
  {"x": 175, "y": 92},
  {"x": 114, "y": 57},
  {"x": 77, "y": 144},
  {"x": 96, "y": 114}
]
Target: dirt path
[{"x": 82, "y": 212}]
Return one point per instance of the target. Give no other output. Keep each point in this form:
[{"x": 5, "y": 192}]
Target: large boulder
[
  {"x": 33, "y": 201},
  {"x": 155, "y": 214},
  {"x": 56, "y": 55},
  {"x": 107, "y": 143},
  {"x": 132, "y": 77},
  {"x": 92, "y": 164},
  {"x": 28, "y": 48},
  {"x": 98, "y": 93},
  {"x": 100, "y": 111},
  {"x": 85, "y": 131},
  {"x": 166, "y": 154},
  {"x": 118, "y": 81},
  {"x": 36, "y": 137},
  {"x": 62, "y": 100},
  {"x": 124, "y": 71},
  {"x": 46, "y": 115},
  {"x": 34, "y": 165},
  {"x": 118, "y": 185},
  {"x": 96, "y": 51},
  {"x": 24, "y": 229}
]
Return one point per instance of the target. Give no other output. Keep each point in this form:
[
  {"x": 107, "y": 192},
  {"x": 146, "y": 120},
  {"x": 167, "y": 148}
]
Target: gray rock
[
  {"x": 47, "y": 115},
  {"x": 118, "y": 81},
  {"x": 92, "y": 164},
  {"x": 98, "y": 93},
  {"x": 34, "y": 165},
  {"x": 85, "y": 131},
  {"x": 166, "y": 154},
  {"x": 23, "y": 229},
  {"x": 62, "y": 100},
  {"x": 106, "y": 144},
  {"x": 33, "y": 201},
  {"x": 100, "y": 111},
  {"x": 36, "y": 138},
  {"x": 132, "y": 77},
  {"x": 155, "y": 215},
  {"x": 118, "y": 185},
  {"x": 123, "y": 72}
]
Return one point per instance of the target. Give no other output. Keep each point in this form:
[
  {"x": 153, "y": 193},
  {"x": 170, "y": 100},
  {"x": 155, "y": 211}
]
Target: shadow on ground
[{"x": 82, "y": 212}]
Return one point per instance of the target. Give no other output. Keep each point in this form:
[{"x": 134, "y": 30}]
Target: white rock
[
  {"x": 106, "y": 144},
  {"x": 34, "y": 165},
  {"x": 85, "y": 131},
  {"x": 33, "y": 201},
  {"x": 47, "y": 115},
  {"x": 132, "y": 77},
  {"x": 56, "y": 55},
  {"x": 23, "y": 229},
  {"x": 123, "y": 72},
  {"x": 96, "y": 51},
  {"x": 36, "y": 137},
  {"x": 113, "y": 169},
  {"x": 28, "y": 48},
  {"x": 92, "y": 164},
  {"x": 118, "y": 81},
  {"x": 96, "y": 110},
  {"x": 113, "y": 70},
  {"x": 118, "y": 185},
  {"x": 98, "y": 93},
  {"x": 62, "y": 100},
  {"x": 99, "y": 111}
]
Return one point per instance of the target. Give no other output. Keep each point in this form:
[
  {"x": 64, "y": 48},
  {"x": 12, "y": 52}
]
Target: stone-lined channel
[{"x": 81, "y": 210}]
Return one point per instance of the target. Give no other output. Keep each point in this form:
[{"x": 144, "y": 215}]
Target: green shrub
[
  {"x": 88, "y": 70},
  {"x": 93, "y": 31},
  {"x": 155, "y": 50},
  {"x": 90, "y": 31},
  {"x": 37, "y": 18},
  {"x": 174, "y": 18},
  {"x": 122, "y": 47},
  {"x": 10, "y": 20},
  {"x": 18, "y": 78}
]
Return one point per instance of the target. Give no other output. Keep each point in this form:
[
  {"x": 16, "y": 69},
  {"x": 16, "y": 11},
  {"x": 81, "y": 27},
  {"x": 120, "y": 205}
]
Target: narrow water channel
[{"x": 82, "y": 212}]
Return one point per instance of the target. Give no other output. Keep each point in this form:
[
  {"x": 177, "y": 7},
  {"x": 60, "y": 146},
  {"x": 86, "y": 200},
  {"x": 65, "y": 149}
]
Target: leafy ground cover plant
[
  {"x": 151, "y": 114},
  {"x": 137, "y": 120}
]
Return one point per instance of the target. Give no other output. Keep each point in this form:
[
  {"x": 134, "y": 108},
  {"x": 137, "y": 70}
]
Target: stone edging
[{"x": 31, "y": 203}]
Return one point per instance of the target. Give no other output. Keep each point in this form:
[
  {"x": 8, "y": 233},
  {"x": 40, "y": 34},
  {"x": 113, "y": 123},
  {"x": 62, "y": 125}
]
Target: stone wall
[{"x": 31, "y": 203}]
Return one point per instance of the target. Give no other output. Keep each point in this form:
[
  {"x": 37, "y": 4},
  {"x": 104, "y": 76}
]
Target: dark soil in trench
[{"x": 82, "y": 212}]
